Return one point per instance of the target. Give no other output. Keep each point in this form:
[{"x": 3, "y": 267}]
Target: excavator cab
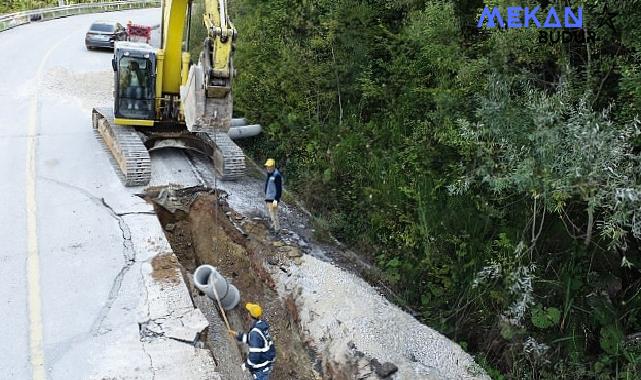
[{"x": 134, "y": 67}]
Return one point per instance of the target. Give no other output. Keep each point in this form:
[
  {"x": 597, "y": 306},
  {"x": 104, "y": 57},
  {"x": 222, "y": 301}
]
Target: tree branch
[{"x": 338, "y": 89}]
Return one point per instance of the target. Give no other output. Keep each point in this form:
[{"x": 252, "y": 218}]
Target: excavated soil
[
  {"x": 209, "y": 234},
  {"x": 164, "y": 266},
  {"x": 320, "y": 313}
]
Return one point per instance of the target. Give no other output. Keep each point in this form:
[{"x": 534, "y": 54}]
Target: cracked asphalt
[{"x": 91, "y": 239}]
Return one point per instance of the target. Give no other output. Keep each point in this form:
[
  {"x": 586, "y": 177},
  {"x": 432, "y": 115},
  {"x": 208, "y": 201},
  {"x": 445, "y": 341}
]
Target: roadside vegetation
[
  {"x": 494, "y": 179},
  {"x": 9, "y": 6}
]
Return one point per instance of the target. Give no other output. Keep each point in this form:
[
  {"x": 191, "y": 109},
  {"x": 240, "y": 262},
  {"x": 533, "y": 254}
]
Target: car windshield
[{"x": 102, "y": 28}]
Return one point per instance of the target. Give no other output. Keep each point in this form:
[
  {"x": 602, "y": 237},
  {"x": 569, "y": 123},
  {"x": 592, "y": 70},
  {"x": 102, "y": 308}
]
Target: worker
[
  {"x": 273, "y": 191},
  {"x": 262, "y": 352},
  {"x": 132, "y": 80}
]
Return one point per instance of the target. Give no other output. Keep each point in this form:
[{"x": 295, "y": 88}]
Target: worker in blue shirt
[
  {"x": 262, "y": 352},
  {"x": 273, "y": 191}
]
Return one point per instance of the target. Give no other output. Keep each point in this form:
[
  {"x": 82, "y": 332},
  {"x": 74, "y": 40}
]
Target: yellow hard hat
[
  {"x": 254, "y": 310},
  {"x": 270, "y": 162}
]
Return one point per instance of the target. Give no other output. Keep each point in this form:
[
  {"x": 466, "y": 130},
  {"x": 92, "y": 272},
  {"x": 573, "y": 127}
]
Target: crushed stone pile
[{"x": 346, "y": 316}]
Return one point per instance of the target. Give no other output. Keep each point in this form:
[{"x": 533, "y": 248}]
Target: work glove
[{"x": 275, "y": 203}]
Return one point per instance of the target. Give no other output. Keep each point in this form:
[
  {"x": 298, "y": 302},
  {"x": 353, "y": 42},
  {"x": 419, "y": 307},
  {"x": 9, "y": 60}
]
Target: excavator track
[
  {"x": 126, "y": 147},
  {"x": 228, "y": 158}
]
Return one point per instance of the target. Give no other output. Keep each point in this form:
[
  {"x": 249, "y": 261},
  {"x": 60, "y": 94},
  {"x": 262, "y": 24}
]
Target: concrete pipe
[
  {"x": 238, "y": 122},
  {"x": 206, "y": 278},
  {"x": 240, "y": 132},
  {"x": 201, "y": 277},
  {"x": 228, "y": 293}
]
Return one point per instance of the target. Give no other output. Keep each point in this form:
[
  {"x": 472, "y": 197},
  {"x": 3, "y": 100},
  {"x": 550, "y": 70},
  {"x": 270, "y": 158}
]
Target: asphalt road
[{"x": 76, "y": 244}]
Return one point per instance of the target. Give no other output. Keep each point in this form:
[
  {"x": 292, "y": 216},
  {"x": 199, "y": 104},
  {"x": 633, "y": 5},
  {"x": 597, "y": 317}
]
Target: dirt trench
[{"x": 203, "y": 230}]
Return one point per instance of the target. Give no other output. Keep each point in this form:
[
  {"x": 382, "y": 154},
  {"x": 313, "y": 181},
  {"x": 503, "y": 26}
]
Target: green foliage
[
  {"x": 610, "y": 339},
  {"x": 198, "y": 31},
  {"x": 9, "y": 6},
  {"x": 545, "y": 318},
  {"x": 493, "y": 179}
]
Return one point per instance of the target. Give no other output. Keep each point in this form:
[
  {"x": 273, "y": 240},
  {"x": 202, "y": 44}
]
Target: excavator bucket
[
  {"x": 193, "y": 98},
  {"x": 210, "y": 119},
  {"x": 203, "y": 111}
]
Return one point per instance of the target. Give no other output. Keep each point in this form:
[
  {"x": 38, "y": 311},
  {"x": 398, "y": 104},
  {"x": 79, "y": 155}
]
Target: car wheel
[{"x": 88, "y": 47}]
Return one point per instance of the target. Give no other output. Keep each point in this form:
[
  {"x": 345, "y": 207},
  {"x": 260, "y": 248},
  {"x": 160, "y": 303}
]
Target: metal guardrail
[{"x": 12, "y": 20}]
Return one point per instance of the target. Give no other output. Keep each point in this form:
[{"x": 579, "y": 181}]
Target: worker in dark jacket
[
  {"x": 262, "y": 352},
  {"x": 273, "y": 191}
]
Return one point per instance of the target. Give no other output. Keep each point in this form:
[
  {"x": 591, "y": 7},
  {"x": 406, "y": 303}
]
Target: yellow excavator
[{"x": 163, "y": 100}]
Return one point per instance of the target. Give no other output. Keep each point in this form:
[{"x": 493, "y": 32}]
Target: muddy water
[{"x": 205, "y": 235}]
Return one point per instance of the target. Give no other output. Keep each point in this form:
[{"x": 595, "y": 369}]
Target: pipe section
[
  {"x": 206, "y": 278},
  {"x": 243, "y": 131},
  {"x": 237, "y": 122}
]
